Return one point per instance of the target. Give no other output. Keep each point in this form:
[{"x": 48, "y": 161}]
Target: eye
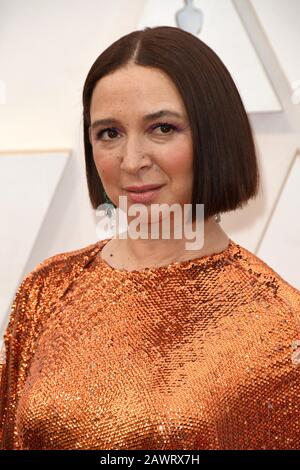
[
  {"x": 100, "y": 134},
  {"x": 111, "y": 130},
  {"x": 164, "y": 125}
]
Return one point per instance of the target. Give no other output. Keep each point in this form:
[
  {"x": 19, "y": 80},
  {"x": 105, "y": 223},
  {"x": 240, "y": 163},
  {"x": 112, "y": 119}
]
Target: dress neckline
[{"x": 171, "y": 267}]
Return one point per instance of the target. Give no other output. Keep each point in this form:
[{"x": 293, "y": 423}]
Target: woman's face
[{"x": 130, "y": 150}]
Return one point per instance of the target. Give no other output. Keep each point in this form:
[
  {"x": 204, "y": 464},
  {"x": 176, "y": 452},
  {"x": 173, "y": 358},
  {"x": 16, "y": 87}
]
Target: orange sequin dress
[{"x": 199, "y": 354}]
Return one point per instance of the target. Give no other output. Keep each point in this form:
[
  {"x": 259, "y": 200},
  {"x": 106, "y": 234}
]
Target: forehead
[{"x": 135, "y": 86}]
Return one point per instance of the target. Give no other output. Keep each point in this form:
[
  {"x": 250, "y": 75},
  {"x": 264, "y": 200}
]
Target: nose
[{"x": 134, "y": 156}]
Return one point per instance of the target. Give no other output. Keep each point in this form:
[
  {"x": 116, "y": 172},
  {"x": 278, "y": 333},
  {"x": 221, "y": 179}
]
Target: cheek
[
  {"x": 179, "y": 161},
  {"x": 106, "y": 166}
]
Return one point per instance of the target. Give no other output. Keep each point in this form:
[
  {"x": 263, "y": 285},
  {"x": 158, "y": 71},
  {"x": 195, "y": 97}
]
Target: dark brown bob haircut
[{"x": 225, "y": 166}]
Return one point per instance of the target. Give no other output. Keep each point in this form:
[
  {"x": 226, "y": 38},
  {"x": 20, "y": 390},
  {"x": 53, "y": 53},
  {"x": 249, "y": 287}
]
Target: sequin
[
  {"x": 296, "y": 343},
  {"x": 296, "y": 357},
  {"x": 192, "y": 355}
]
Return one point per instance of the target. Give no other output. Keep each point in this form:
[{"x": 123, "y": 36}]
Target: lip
[
  {"x": 145, "y": 187},
  {"x": 144, "y": 197}
]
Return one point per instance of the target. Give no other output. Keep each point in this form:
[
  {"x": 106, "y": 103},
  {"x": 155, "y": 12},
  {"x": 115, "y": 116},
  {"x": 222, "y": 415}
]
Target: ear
[{"x": 90, "y": 135}]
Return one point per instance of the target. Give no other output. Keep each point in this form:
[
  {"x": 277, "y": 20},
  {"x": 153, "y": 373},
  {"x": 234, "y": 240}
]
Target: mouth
[
  {"x": 143, "y": 188},
  {"x": 143, "y": 195}
]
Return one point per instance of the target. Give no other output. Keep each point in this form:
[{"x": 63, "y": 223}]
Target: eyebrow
[{"x": 147, "y": 117}]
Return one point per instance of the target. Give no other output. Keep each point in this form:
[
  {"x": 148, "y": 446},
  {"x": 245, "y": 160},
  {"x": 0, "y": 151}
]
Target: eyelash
[{"x": 160, "y": 124}]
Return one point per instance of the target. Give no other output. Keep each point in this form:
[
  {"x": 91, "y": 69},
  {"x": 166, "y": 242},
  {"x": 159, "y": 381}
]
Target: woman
[{"x": 142, "y": 343}]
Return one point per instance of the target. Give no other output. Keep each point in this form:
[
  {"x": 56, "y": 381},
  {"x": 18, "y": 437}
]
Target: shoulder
[
  {"x": 66, "y": 261},
  {"x": 261, "y": 271},
  {"x": 58, "y": 270},
  {"x": 46, "y": 283},
  {"x": 266, "y": 281}
]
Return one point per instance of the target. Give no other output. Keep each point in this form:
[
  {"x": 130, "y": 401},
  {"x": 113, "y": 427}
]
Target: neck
[{"x": 156, "y": 252}]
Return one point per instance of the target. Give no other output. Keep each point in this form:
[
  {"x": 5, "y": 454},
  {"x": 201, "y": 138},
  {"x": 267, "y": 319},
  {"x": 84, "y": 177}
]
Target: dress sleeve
[
  {"x": 33, "y": 304},
  {"x": 15, "y": 354}
]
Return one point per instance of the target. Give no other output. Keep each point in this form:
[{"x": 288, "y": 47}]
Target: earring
[
  {"x": 109, "y": 206},
  {"x": 218, "y": 218}
]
